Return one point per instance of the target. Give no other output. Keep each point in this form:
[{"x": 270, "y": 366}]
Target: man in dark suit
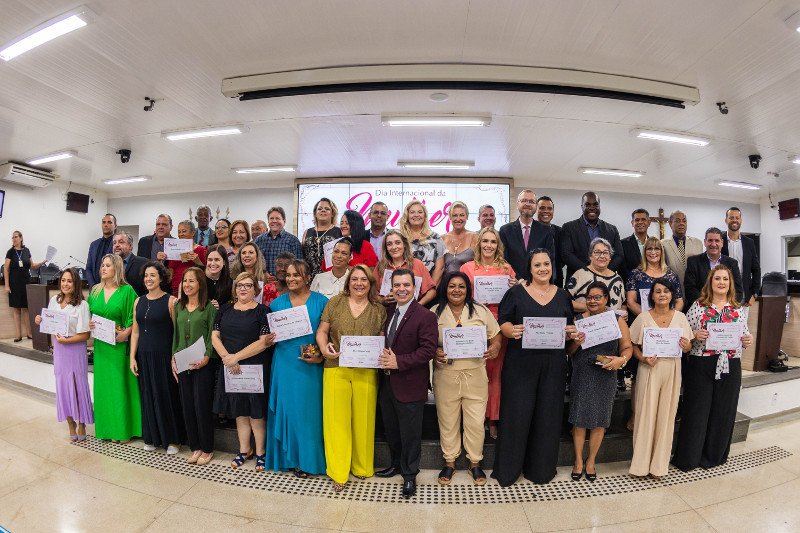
[
  {"x": 205, "y": 235},
  {"x": 151, "y": 245},
  {"x": 743, "y": 250},
  {"x": 412, "y": 334},
  {"x": 545, "y": 209},
  {"x": 123, "y": 245},
  {"x": 100, "y": 247},
  {"x": 633, "y": 246},
  {"x": 699, "y": 266},
  {"x": 578, "y": 234},
  {"x": 525, "y": 234}
]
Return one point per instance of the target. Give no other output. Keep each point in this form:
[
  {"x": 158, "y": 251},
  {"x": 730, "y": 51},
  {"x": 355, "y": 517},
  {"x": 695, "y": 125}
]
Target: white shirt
[
  {"x": 522, "y": 228},
  {"x": 78, "y": 316},
  {"x": 327, "y": 284},
  {"x": 403, "y": 309},
  {"x": 735, "y": 251}
]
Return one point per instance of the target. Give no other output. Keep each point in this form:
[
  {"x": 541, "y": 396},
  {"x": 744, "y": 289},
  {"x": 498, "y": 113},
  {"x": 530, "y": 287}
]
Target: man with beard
[
  {"x": 743, "y": 250},
  {"x": 100, "y": 247},
  {"x": 378, "y": 215},
  {"x": 525, "y": 234},
  {"x": 545, "y": 209},
  {"x": 577, "y": 234},
  {"x": 123, "y": 245}
]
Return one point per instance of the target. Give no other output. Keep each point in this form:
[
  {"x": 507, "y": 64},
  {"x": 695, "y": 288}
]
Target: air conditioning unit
[{"x": 25, "y": 175}]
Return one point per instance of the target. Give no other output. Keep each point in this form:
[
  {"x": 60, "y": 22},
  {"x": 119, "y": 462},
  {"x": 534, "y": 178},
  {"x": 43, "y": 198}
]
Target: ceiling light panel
[
  {"x": 132, "y": 179},
  {"x": 671, "y": 137},
  {"x": 260, "y": 170},
  {"x": 447, "y": 121},
  {"x": 197, "y": 133},
  {"x": 66, "y": 154},
  {"x": 740, "y": 185},
  {"x": 612, "y": 172},
  {"x": 437, "y": 165},
  {"x": 47, "y": 31}
]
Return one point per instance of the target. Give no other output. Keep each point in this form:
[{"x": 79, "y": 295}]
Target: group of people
[{"x": 407, "y": 285}]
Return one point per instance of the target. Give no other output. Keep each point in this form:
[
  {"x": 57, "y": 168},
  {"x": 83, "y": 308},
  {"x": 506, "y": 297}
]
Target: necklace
[
  {"x": 457, "y": 317},
  {"x": 145, "y": 313},
  {"x": 460, "y": 243},
  {"x": 540, "y": 293}
]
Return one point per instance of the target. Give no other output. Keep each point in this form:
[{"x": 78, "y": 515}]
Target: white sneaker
[
  {"x": 172, "y": 450},
  {"x": 149, "y": 447}
]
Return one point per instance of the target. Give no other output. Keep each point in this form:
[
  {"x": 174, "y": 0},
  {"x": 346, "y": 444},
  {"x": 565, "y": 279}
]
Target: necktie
[
  {"x": 526, "y": 235},
  {"x": 682, "y": 252},
  {"x": 201, "y": 240},
  {"x": 393, "y": 327}
]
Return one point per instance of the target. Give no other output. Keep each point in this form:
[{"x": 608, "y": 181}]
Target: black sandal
[
  {"x": 478, "y": 475},
  {"x": 446, "y": 475},
  {"x": 299, "y": 473}
]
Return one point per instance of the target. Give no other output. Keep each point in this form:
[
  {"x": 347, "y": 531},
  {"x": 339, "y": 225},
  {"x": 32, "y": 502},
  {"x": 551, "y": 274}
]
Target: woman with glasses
[
  {"x": 222, "y": 230},
  {"x": 600, "y": 252},
  {"x": 324, "y": 231},
  {"x": 241, "y": 336},
  {"x": 249, "y": 259}
]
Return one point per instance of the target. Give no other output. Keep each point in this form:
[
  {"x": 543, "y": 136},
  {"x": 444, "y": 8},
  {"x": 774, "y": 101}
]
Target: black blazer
[
  {"x": 697, "y": 271},
  {"x": 631, "y": 256},
  {"x": 514, "y": 249},
  {"x": 557, "y": 230},
  {"x": 133, "y": 274},
  {"x": 146, "y": 246},
  {"x": 575, "y": 245},
  {"x": 751, "y": 267}
]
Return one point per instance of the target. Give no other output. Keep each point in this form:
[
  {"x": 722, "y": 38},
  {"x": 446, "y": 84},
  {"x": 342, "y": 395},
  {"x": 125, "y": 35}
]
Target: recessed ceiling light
[
  {"x": 612, "y": 172},
  {"x": 438, "y": 97},
  {"x": 439, "y": 165},
  {"x": 740, "y": 185},
  {"x": 132, "y": 179},
  {"x": 793, "y": 22},
  {"x": 53, "y": 157},
  {"x": 196, "y": 133},
  {"x": 448, "y": 121},
  {"x": 258, "y": 170},
  {"x": 47, "y": 31},
  {"x": 671, "y": 137}
]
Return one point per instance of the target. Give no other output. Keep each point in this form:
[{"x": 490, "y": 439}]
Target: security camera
[
  {"x": 125, "y": 156},
  {"x": 722, "y": 108},
  {"x": 755, "y": 159}
]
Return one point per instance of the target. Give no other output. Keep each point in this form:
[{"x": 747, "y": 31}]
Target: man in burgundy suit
[{"x": 412, "y": 333}]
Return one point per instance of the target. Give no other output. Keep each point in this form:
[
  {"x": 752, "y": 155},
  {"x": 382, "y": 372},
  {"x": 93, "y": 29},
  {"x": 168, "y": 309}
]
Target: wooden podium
[{"x": 772, "y": 311}]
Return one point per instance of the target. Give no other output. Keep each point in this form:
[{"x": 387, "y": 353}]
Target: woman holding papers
[
  {"x": 460, "y": 383},
  {"x": 659, "y": 378},
  {"x": 533, "y": 379},
  {"x": 17, "y": 272},
  {"x": 396, "y": 253},
  {"x": 324, "y": 231},
  {"x": 162, "y": 421},
  {"x": 426, "y": 244},
  {"x": 594, "y": 385},
  {"x": 197, "y": 257},
  {"x": 70, "y": 362},
  {"x": 219, "y": 284},
  {"x": 350, "y": 394},
  {"x": 490, "y": 261},
  {"x": 459, "y": 238},
  {"x": 600, "y": 253},
  {"x": 331, "y": 282},
  {"x": 117, "y": 409},
  {"x": 194, "y": 320},
  {"x": 713, "y": 374},
  {"x": 241, "y": 337},
  {"x": 294, "y": 419}
]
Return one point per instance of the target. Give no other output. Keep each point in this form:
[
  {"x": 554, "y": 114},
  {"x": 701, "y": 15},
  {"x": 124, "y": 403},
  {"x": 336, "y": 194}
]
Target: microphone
[{"x": 78, "y": 260}]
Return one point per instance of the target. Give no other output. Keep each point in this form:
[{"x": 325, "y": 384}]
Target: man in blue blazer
[
  {"x": 100, "y": 247},
  {"x": 514, "y": 234},
  {"x": 576, "y": 236},
  {"x": 412, "y": 334}
]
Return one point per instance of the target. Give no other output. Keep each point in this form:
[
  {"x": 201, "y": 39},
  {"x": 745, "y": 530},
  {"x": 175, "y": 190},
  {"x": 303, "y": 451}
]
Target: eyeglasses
[
  {"x": 653, "y": 250},
  {"x": 220, "y": 227},
  {"x": 244, "y": 286},
  {"x": 603, "y": 253},
  {"x": 595, "y": 298}
]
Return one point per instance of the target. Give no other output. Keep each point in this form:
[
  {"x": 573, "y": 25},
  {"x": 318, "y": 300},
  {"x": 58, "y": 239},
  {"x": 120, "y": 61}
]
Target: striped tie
[{"x": 682, "y": 251}]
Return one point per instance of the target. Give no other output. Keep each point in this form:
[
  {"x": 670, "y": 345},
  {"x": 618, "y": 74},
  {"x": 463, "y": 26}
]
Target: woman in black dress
[
  {"x": 241, "y": 335},
  {"x": 18, "y": 273},
  {"x": 151, "y": 362},
  {"x": 532, "y": 381}
]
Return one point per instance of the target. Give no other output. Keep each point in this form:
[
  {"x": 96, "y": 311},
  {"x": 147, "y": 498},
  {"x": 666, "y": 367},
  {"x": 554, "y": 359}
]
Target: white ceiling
[{"x": 85, "y": 91}]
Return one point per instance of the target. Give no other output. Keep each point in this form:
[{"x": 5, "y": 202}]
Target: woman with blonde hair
[
  {"x": 489, "y": 261},
  {"x": 396, "y": 253},
  {"x": 458, "y": 238},
  {"x": 426, "y": 244}
]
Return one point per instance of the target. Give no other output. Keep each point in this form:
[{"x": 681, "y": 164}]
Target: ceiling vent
[{"x": 25, "y": 175}]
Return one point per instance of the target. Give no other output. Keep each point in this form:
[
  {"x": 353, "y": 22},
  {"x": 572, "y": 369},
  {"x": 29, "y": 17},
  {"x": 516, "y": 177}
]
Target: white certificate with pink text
[{"x": 542, "y": 333}]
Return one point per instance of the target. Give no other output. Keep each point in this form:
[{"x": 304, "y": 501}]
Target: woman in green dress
[{"x": 118, "y": 414}]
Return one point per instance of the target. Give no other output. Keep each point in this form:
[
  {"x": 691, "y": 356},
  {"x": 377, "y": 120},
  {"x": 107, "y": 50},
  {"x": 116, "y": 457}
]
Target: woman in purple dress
[{"x": 70, "y": 362}]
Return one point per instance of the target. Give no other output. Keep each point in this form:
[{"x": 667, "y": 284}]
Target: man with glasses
[
  {"x": 525, "y": 234},
  {"x": 577, "y": 234},
  {"x": 152, "y": 245},
  {"x": 378, "y": 215}
]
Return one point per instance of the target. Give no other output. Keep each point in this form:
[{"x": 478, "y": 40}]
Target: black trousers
[
  {"x": 531, "y": 410},
  {"x": 197, "y": 397},
  {"x": 402, "y": 422},
  {"x": 709, "y": 413}
]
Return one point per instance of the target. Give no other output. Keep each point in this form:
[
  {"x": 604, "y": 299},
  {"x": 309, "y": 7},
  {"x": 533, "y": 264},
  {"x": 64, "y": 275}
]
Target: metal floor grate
[{"x": 391, "y": 492}]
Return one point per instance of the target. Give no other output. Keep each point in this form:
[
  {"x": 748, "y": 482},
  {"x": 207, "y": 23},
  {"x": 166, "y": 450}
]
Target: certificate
[
  {"x": 490, "y": 289},
  {"x": 175, "y": 247},
  {"x": 724, "y": 336},
  {"x": 542, "y": 333},
  {"x": 464, "y": 342},
  {"x": 104, "y": 330},
  {"x": 195, "y": 352},
  {"x": 251, "y": 380},
  {"x": 386, "y": 284},
  {"x": 54, "y": 322},
  {"x": 644, "y": 295},
  {"x": 599, "y": 328},
  {"x": 327, "y": 249},
  {"x": 662, "y": 342},
  {"x": 290, "y": 323},
  {"x": 360, "y": 351}
]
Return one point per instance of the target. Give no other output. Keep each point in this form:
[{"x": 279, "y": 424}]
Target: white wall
[
  {"x": 773, "y": 231},
  {"x": 42, "y": 217}
]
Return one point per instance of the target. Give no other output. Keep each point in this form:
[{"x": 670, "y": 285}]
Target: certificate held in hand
[
  {"x": 490, "y": 289},
  {"x": 54, "y": 322},
  {"x": 175, "y": 247},
  {"x": 543, "y": 333},
  {"x": 195, "y": 352},
  {"x": 104, "y": 330},
  {"x": 464, "y": 342},
  {"x": 662, "y": 342},
  {"x": 724, "y": 336},
  {"x": 599, "y": 328},
  {"x": 251, "y": 380},
  {"x": 360, "y": 351},
  {"x": 290, "y": 323}
]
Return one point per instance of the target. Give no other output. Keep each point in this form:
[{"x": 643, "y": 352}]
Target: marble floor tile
[
  {"x": 773, "y": 510},
  {"x": 688, "y": 521},
  {"x": 45, "y": 438},
  {"x": 18, "y": 467}
]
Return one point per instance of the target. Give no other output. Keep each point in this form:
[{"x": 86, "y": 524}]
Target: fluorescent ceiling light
[
  {"x": 436, "y": 120},
  {"x": 438, "y": 165},
  {"x": 793, "y": 22},
  {"x": 612, "y": 172},
  {"x": 53, "y": 157},
  {"x": 55, "y": 27},
  {"x": 258, "y": 170},
  {"x": 177, "y": 135},
  {"x": 795, "y": 160},
  {"x": 671, "y": 137},
  {"x": 132, "y": 179},
  {"x": 740, "y": 185}
]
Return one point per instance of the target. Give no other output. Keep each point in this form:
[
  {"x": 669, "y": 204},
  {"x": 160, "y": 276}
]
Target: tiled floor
[{"x": 49, "y": 484}]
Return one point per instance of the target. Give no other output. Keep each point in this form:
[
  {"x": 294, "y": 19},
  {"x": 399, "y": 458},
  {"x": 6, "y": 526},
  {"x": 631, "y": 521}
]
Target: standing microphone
[{"x": 78, "y": 260}]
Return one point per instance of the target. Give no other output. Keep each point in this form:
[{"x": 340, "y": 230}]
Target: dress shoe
[
  {"x": 621, "y": 385},
  {"x": 388, "y": 472},
  {"x": 409, "y": 488}
]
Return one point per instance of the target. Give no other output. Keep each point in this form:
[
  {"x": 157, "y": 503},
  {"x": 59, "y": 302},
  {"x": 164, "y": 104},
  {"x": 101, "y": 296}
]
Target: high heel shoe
[
  {"x": 591, "y": 477},
  {"x": 577, "y": 476}
]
